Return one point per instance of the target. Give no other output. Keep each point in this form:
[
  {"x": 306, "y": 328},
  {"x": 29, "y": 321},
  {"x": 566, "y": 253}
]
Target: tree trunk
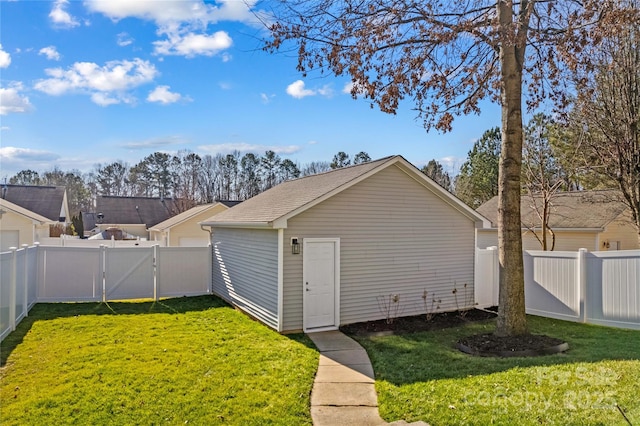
[{"x": 512, "y": 319}]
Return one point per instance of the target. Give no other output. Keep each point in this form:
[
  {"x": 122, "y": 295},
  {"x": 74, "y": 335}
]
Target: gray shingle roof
[
  {"x": 194, "y": 211},
  {"x": 44, "y": 200},
  {"x": 296, "y": 195},
  {"x": 291, "y": 195},
  {"x": 578, "y": 209},
  {"x": 8, "y": 205},
  {"x": 135, "y": 210}
]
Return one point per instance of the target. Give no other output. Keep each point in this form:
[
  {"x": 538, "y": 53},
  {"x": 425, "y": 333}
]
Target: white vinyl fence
[
  {"x": 594, "y": 287},
  {"x": 74, "y": 274}
]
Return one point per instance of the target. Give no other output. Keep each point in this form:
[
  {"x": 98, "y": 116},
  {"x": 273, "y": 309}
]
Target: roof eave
[{"x": 246, "y": 225}]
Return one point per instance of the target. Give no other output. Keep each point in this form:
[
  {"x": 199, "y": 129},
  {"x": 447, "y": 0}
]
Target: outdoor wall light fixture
[{"x": 295, "y": 246}]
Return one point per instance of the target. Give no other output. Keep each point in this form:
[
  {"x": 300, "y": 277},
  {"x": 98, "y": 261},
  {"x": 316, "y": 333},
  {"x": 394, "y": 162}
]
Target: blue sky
[{"x": 91, "y": 82}]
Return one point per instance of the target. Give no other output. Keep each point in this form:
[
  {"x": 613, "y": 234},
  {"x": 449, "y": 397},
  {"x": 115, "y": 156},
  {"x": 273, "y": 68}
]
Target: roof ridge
[{"x": 351, "y": 166}]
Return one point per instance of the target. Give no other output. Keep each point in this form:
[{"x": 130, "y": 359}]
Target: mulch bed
[
  {"x": 418, "y": 323},
  {"x": 508, "y": 346},
  {"x": 479, "y": 345}
]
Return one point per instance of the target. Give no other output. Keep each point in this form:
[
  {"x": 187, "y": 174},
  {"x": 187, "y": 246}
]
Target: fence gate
[{"x": 129, "y": 273}]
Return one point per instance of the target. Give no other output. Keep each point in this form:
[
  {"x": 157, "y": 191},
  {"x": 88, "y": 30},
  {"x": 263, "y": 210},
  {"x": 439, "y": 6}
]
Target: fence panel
[
  {"x": 486, "y": 277},
  {"x": 550, "y": 284},
  {"x": 613, "y": 283},
  {"x": 6, "y": 271},
  {"x": 129, "y": 273},
  {"x": 21, "y": 285},
  {"x": 69, "y": 274},
  {"x": 599, "y": 288},
  {"x": 31, "y": 274},
  {"x": 77, "y": 242},
  {"x": 183, "y": 271}
]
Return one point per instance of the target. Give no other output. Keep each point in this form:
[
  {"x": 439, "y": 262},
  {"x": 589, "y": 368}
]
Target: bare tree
[
  {"x": 542, "y": 176},
  {"x": 316, "y": 167},
  {"x": 606, "y": 118},
  {"x": 210, "y": 179},
  {"x": 447, "y": 56}
]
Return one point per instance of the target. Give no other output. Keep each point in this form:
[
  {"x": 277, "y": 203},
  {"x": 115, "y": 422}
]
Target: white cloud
[
  {"x": 14, "y": 159},
  {"x": 50, "y": 52},
  {"x": 163, "y": 95},
  {"x": 266, "y": 98},
  {"x": 172, "y": 11},
  {"x": 184, "y": 23},
  {"x": 104, "y": 99},
  {"x": 5, "y": 128},
  {"x": 5, "y": 58},
  {"x": 108, "y": 84},
  {"x": 60, "y": 17},
  {"x": 156, "y": 142},
  {"x": 12, "y": 101},
  {"x": 451, "y": 164},
  {"x": 227, "y": 148},
  {"x": 297, "y": 90},
  {"x": 124, "y": 39},
  {"x": 192, "y": 44}
]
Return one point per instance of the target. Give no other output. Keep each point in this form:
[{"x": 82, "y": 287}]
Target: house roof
[
  {"x": 569, "y": 210},
  {"x": 273, "y": 207},
  {"x": 229, "y": 203},
  {"x": 192, "y": 212},
  {"x": 135, "y": 210},
  {"x": 35, "y": 217},
  {"x": 46, "y": 201}
]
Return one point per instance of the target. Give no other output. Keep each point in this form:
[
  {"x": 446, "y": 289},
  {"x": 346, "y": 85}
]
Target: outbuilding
[{"x": 371, "y": 241}]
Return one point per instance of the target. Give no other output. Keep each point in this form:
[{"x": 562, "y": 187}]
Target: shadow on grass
[
  {"x": 425, "y": 356},
  {"x": 50, "y": 311}
]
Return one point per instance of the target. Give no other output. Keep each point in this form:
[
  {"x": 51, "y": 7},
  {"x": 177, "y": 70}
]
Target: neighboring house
[
  {"x": 132, "y": 215},
  {"x": 595, "y": 220},
  {"x": 184, "y": 229},
  {"x": 20, "y": 226},
  {"x": 48, "y": 201},
  {"x": 333, "y": 248}
]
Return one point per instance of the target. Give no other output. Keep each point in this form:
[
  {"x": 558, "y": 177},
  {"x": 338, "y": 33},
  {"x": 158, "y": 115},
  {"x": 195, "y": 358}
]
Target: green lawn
[
  {"x": 178, "y": 361},
  {"x": 422, "y": 376}
]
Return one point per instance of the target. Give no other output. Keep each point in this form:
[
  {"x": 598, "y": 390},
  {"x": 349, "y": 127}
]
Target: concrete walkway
[{"x": 344, "y": 388}]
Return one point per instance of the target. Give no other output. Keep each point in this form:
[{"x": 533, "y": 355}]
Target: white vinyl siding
[
  {"x": 622, "y": 231},
  {"x": 396, "y": 237},
  {"x": 245, "y": 271}
]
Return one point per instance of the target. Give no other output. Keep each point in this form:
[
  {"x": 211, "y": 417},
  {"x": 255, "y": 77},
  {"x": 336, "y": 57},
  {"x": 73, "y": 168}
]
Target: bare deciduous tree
[
  {"x": 447, "y": 56},
  {"x": 606, "y": 118}
]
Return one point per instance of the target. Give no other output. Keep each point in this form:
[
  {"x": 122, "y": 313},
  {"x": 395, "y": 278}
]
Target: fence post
[
  {"x": 102, "y": 271},
  {"x": 25, "y": 282},
  {"x": 582, "y": 282},
  {"x": 12, "y": 288},
  {"x": 496, "y": 274},
  {"x": 155, "y": 273}
]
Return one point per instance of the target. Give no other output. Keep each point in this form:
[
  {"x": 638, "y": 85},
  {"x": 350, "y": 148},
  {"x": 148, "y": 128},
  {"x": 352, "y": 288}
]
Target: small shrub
[
  {"x": 467, "y": 300},
  {"x": 389, "y": 306},
  {"x": 430, "y": 308}
]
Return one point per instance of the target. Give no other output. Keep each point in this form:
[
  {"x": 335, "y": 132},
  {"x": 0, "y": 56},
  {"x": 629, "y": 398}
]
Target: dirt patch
[{"x": 416, "y": 323}]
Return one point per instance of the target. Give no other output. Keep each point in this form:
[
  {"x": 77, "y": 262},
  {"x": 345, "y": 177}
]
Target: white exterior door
[{"x": 321, "y": 276}]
